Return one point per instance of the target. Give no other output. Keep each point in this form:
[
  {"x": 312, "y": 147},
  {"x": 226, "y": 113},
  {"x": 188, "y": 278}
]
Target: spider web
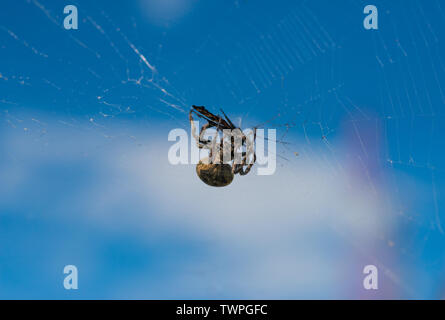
[{"x": 292, "y": 62}]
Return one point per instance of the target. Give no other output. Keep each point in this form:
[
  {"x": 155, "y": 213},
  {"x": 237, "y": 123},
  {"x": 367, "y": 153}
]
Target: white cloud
[{"x": 275, "y": 230}]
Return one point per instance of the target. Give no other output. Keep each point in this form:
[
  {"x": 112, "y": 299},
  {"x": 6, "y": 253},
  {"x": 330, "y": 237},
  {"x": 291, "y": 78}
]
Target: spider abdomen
[{"x": 214, "y": 174}]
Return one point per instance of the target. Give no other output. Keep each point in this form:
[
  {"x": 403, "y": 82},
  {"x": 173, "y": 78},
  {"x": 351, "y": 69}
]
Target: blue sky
[{"x": 85, "y": 179}]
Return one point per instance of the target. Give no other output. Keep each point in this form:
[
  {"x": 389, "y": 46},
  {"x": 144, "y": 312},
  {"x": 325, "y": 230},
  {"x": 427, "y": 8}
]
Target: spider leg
[
  {"x": 206, "y": 143},
  {"x": 214, "y": 146},
  {"x": 243, "y": 171},
  {"x": 201, "y": 143},
  {"x": 239, "y": 168},
  {"x": 202, "y": 131},
  {"x": 228, "y": 120},
  {"x": 203, "y": 113}
]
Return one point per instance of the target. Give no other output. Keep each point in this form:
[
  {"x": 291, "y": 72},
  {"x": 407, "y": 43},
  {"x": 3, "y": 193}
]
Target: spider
[{"x": 225, "y": 160}]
